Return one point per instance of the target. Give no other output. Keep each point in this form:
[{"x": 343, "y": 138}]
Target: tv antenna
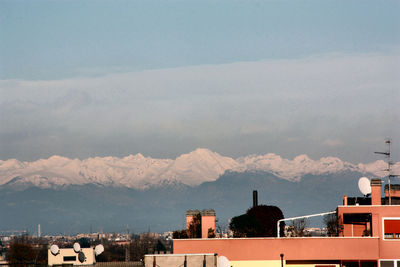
[
  {"x": 389, "y": 166},
  {"x": 127, "y": 248}
]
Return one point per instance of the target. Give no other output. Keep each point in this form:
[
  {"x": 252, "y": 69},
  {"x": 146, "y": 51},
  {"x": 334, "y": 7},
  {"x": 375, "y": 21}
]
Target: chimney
[
  {"x": 207, "y": 222},
  {"x": 344, "y": 200},
  {"x": 255, "y": 198},
  {"x": 376, "y": 189},
  {"x": 189, "y": 217}
]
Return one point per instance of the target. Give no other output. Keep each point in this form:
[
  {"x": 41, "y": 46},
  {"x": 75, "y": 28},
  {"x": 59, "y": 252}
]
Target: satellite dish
[
  {"x": 98, "y": 249},
  {"x": 54, "y": 250},
  {"x": 223, "y": 262},
  {"x": 364, "y": 185},
  {"x": 77, "y": 247},
  {"x": 81, "y": 256}
]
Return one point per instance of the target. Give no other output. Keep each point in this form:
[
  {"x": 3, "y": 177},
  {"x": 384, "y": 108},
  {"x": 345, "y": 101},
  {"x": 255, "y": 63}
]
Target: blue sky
[{"x": 96, "y": 78}]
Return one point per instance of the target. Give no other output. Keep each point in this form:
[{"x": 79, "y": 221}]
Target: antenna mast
[
  {"x": 127, "y": 248},
  {"x": 389, "y": 167}
]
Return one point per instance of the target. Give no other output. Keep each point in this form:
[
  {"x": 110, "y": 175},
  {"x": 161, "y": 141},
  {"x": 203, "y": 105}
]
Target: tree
[
  {"x": 243, "y": 226},
  {"x": 194, "y": 229},
  {"x": 221, "y": 229},
  {"x": 179, "y": 234},
  {"x": 160, "y": 246},
  {"x": 297, "y": 228},
  {"x": 112, "y": 252},
  {"x": 84, "y": 242},
  {"x": 331, "y": 224},
  {"x": 257, "y": 221},
  {"x": 20, "y": 253},
  {"x": 211, "y": 233}
]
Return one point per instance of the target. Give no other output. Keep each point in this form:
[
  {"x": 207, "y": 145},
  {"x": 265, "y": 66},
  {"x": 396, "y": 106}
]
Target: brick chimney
[
  {"x": 376, "y": 188},
  {"x": 189, "y": 217},
  {"x": 207, "y": 222}
]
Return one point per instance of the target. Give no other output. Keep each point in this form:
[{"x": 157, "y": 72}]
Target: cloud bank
[{"x": 341, "y": 105}]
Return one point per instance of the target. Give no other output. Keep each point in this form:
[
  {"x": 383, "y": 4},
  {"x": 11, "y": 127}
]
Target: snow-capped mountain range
[{"x": 194, "y": 168}]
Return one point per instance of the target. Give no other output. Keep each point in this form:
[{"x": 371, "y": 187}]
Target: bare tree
[
  {"x": 297, "y": 228},
  {"x": 331, "y": 222},
  {"x": 221, "y": 229}
]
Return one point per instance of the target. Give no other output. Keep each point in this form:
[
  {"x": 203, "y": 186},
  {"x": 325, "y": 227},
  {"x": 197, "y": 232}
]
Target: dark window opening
[
  {"x": 350, "y": 264},
  {"x": 360, "y": 264},
  {"x": 69, "y": 258},
  {"x": 387, "y": 264},
  {"x": 354, "y": 218},
  {"x": 368, "y": 264}
]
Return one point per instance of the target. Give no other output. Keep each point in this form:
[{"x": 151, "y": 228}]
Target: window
[
  {"x": 387, "y": 263},
  {"x": 69, "y": 258},
  {"x": 368, "y": 264},
  {"x": 361, "y": 263},
  {"x": 350, "y": 264},
  {"x": 390, "y": 263},
  {"x": 391, "y": 228}
]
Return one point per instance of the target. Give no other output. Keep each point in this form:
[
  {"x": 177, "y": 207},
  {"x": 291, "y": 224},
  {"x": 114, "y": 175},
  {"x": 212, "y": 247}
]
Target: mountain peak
[
  {"x": 194, "y": 168},
  {"x": 199, "y": 153},
  {"x": 302, "y": 158}
]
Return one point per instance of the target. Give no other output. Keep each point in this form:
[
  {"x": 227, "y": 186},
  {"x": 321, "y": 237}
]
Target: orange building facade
[{"x": 369, "y": 236}]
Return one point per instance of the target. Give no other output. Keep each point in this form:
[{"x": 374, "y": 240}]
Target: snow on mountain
[
  {"x": 129, "y": 171},
  {"x": 194, "y": 168},
  {"x": 201, "y": 165},
  {"x": 293, "y": 169}
]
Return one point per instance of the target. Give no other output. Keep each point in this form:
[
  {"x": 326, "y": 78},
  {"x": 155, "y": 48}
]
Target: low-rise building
[{"x": 369, "y": 236}]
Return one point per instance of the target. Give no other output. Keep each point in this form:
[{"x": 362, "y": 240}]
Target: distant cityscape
[{"x": 115, "y": 239}]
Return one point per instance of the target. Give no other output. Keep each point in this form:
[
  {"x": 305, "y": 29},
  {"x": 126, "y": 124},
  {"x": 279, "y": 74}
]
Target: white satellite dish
[
  {"x": 364, "y": 185},
  {"x": 98, "y": 249},
  {"x": 223, "y": 262},
  {"x": 77, "y": 247},
  {"x": 54, "y": 250}
]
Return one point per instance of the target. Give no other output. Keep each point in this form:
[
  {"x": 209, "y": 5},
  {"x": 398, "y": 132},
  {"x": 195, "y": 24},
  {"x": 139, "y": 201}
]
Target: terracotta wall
[
  {"x": 239, "y": 249},
  {"x": 378, "y": 213}
]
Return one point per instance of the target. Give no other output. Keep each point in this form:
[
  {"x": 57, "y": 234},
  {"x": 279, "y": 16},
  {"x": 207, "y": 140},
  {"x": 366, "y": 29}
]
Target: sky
[{"x": 112, "y": 78}]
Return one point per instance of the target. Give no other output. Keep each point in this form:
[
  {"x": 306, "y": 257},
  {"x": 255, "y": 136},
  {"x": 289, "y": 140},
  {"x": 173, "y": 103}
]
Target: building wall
[
  {"x": 351, "y": 230},
  {"x": 271, "y": 263},
  {"x": 169, "y": 260},
  {"x": 261, "y": 249},
  {"x": 120, "y": 264},
  {"x": 313, "y": 264},
  {"x": 59, "y": 258},
  {"x": 388, "y": 249},
  {"x": 268, "y": 250},
  {"x": 350, "y": 247}
]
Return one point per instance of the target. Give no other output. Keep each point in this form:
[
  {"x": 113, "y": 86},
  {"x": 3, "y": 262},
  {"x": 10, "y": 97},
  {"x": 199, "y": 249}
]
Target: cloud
[
  {"x": 333, "y": 142},
  {"x": 251, "y": 105}
]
